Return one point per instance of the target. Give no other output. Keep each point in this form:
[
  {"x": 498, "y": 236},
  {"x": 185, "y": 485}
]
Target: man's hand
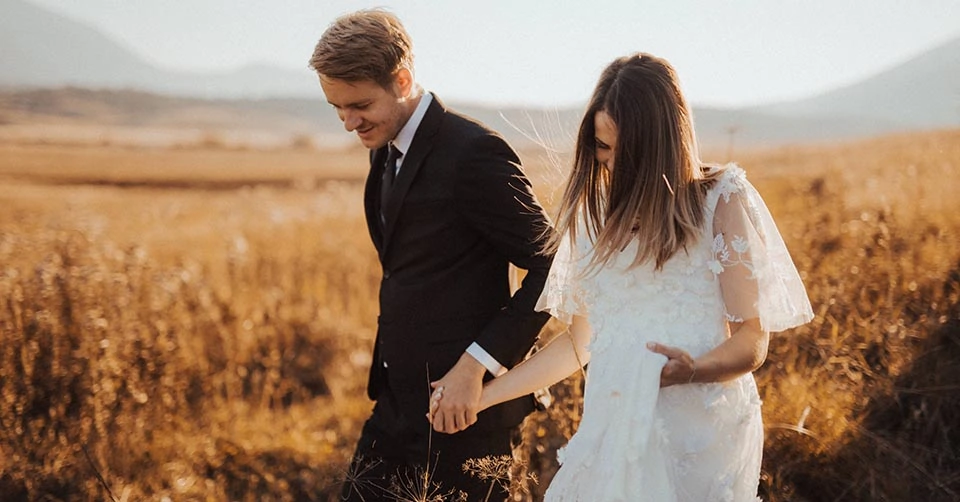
[{"x": 456, "y": 397}]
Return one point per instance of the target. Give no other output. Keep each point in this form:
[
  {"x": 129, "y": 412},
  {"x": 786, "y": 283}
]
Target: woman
[{"x": 671, "y": 275}]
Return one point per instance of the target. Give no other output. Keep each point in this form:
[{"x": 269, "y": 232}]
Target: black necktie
[{"x": 386, "y": 181}]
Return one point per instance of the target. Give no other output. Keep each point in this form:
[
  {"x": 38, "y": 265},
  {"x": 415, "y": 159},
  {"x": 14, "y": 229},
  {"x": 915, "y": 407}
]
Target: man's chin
[{"x": 372, "y": 143}]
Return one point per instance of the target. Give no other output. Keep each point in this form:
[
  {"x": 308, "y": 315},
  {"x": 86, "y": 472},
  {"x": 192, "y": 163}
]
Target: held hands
[
  {"x": 455, "y": 401},
  {"x": 680, "y": 367}
]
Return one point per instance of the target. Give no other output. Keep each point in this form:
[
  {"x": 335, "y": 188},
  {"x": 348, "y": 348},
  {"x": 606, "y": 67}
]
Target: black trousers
[{"x": 399, "y": 458}]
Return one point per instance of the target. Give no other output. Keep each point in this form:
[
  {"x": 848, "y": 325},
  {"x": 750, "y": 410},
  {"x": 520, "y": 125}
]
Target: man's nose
[{"x": 351, "y": 121}]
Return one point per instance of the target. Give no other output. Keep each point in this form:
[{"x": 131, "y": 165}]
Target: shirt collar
[{"x": 405, "y": 137}]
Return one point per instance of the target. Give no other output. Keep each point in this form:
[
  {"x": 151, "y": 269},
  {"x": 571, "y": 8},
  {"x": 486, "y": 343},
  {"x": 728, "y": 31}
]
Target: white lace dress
[{"x": 696, "y": 442}]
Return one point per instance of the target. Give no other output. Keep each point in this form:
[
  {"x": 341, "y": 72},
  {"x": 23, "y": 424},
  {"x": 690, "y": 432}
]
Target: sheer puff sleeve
[
  {"x": 757, "y": 276},
  {"x": 563, "y": 294}
]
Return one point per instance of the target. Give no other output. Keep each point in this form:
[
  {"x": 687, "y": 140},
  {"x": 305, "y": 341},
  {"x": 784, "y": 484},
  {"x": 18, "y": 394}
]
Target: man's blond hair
[{"x": 363, "y": 45}]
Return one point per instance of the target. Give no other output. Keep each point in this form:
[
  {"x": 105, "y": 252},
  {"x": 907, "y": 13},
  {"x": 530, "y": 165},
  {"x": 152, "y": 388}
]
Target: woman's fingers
[
  {"x": 679, "y": 367},
  {"x": 435, "y": 398},
  {"x": 670, "y": 352}
]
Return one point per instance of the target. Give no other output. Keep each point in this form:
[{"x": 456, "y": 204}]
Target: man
[{"x": 448, "y": 209}]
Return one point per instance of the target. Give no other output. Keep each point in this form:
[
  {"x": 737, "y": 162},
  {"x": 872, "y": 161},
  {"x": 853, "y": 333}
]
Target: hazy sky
[{"x": 728, "y": 53}]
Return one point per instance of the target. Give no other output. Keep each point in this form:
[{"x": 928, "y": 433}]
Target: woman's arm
[
  {"x": 744, "y": 351},
  {"x": 562, "y": 356}
]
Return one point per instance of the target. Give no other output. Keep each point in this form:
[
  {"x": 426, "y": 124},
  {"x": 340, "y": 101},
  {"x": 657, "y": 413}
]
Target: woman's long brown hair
[{"x": 656, "y": 190}]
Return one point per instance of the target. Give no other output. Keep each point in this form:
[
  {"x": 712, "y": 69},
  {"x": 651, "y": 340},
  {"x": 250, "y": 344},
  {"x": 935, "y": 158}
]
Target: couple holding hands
[{"x": 669, "y": 273}]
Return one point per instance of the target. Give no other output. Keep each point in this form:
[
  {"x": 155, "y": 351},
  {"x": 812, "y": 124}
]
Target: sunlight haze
[{"x": 516, "y": 52}]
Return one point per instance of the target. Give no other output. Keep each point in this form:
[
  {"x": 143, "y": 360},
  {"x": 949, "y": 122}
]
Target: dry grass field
[{"x": 194, "y": 322}]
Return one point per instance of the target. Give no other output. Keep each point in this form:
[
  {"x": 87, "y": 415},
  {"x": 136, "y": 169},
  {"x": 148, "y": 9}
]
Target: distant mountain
[
  {"x": 41, "y": 49},
  {"x": 923, "y": 92}
]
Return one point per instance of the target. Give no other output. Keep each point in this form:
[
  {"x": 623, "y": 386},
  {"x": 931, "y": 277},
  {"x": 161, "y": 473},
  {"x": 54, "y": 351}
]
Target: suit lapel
[
  {"x": 412, "y": 161},
  {"x": 371, "y": 198}
]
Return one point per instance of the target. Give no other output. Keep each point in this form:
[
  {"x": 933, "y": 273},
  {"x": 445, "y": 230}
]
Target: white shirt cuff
[{"x": 483, "y": 357}]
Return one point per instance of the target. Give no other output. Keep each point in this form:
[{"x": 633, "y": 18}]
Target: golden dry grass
[{"x": 195, "y": 323}]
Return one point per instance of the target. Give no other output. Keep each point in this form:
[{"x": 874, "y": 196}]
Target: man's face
[{"x": 375, "y": 113}]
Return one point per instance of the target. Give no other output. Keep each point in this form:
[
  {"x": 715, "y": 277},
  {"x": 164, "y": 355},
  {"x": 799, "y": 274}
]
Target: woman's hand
[
  {"x": 435, "y": 398},
  {"x": 680, "y": 367}
]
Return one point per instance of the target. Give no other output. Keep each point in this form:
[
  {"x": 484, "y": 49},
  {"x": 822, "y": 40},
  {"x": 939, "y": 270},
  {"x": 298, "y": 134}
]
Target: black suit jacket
[{"x": 460, "y": 211}]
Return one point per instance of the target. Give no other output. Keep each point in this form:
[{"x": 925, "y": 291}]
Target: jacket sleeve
[{"x": 497, "y": 199}]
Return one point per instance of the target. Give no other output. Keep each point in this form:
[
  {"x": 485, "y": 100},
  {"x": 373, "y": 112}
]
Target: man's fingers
[
  {"x": 444, "y": 418},
  {"x": 449, "y": 419},
  {"x": 449, "y": 424},
  {"x": 436, "y": 415},
  {"x": 453, "y": 403}
]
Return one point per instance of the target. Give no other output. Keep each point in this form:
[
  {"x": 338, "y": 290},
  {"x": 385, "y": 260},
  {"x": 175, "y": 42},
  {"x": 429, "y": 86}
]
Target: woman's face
[{"x": 605, "y": 140}]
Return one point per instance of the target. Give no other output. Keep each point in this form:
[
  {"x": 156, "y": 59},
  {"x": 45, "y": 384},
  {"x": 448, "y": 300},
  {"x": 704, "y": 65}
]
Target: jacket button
[{"x": 386, "y": 274}]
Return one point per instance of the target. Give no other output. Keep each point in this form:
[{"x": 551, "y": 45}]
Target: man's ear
[{"x": 403, "y": 83}]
